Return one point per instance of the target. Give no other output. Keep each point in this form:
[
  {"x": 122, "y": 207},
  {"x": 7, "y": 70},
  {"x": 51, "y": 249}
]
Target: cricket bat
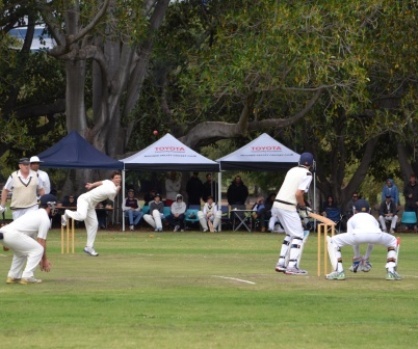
[{"x": 320, "y": 218}]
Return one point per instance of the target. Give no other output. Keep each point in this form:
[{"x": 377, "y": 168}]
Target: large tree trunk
[{"x": 75, "y": 106}]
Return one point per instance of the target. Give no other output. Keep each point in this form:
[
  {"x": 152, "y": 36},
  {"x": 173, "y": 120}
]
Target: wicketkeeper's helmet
[{"x": 362, "y": 205}]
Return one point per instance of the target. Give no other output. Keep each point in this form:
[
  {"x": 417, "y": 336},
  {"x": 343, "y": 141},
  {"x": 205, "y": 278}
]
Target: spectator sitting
[
  {"x": 411, "y": 197},
  {"x": 391, "y": 189},
  {"x": 331, "y": 210},
  {"x": 210, "y": 217},
  {"x": 178, "y": 209},
  {"x": 156, "y": 213},
  {"x": 69, "y": 201},
  {"x": 102, "y": 213},
  {"x": 388, "y": 213},
  {"x": 132, "y": 209},
  {"x": 259, "y": 210}
]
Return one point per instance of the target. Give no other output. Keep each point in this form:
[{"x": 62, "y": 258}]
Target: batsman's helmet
[
  {"x": 306, "y": 159},
  {"x": 362, "y": 205},
  {"x": 49, "y": 200}
]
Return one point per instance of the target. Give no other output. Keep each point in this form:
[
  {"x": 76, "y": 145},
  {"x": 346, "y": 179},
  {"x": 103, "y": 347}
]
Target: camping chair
[
  {"x": 191, "y": 218},
  {"x": 409, "y": 219},
  {"x": 335, "y": 215}
]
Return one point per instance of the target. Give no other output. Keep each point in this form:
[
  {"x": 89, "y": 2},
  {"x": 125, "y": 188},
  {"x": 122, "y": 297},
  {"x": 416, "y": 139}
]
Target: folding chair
[
  {"x": 191, "y": 218},
  {"x": 335, "y": 215}
]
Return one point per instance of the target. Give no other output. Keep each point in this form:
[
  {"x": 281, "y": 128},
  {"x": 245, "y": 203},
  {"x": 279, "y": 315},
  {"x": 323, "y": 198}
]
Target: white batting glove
[
  {"x": 3, "y": 209},
  {"x": 304, "y": 211}
]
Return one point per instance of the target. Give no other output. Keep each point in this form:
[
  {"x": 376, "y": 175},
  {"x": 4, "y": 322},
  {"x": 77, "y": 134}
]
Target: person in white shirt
[
  {"x": 26, "y": 237},
  {"x": 25, "y": 188},
  {"x": 86, "y": 207},
  {"x": 43, "y": 177},
  {"x": 362, "y": 228},
  {"x": 132, "y": 209},
  {"x": 210, "y": 217},
  {"x": 289, "y": 206},
  {"x": 178, "y": 209}
]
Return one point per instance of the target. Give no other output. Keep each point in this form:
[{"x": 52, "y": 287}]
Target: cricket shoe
[
  {"x": 31, "y": 280},
  {"x": 176, "y": 228},
  {"x": 366, "y": 266},
  {"x": 64, "y": 220},
  {"x": 280, "y": 268},
  {"x": 295, "y": 271},
  {"x": 356, "y": 264},
  {"x": 11, "y": 281},
  {"x": 90, "y": 251},
  {"x": 335, "y": 275},
  {"x": 393, "y": 276}
]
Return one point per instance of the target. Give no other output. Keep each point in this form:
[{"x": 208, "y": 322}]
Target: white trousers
[
  {"x": 88, "y": 215},
  {"x": 358, "y": 238},
  {"x": 215, "y": 219},
  {"x": 26, "y": 250},
  {"x": 154, "y": 219},
  {"x": 383, "y": 220},
  {"x": 21, "y": 211}
]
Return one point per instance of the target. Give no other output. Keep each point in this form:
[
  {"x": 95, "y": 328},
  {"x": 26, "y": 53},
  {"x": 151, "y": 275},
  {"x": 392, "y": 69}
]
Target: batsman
[
  {"x": 362, "y": 228},
  {"x": 289, "y": 207}
]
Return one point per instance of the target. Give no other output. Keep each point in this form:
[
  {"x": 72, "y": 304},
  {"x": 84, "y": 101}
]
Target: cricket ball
[{"x": 155, "y": 132}]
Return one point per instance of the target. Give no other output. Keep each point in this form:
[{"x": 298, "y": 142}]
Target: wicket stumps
[
  {"x": 67, "y": 237},
  {"x": 323, "y": 230}
]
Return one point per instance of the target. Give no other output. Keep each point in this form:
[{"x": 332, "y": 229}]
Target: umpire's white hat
[{"x": 34, "y": 159}]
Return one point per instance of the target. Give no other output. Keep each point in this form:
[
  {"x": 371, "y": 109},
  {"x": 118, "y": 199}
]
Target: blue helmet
[
  {"x": 306, "y": 159},
  {"x": 362, "y": 205},
  {"x": 48, "y": 199}
]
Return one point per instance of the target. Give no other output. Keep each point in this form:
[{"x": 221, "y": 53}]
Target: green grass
[{"x": 195, "y": 290}]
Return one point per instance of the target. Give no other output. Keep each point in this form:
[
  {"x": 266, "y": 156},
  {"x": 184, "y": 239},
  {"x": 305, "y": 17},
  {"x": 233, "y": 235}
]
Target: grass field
[{"x": 196, "y": 290}]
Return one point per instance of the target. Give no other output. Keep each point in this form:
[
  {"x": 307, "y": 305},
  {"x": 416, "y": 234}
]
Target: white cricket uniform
[
  {"x": 44, "y": 178},
  {"x": 364, "y": 228},
  {"x": 297, "y": 178},
  {"x": 18, "y": 212},
  {"x": 20, "y": 236},
  {"x": 86, "y": 207}
]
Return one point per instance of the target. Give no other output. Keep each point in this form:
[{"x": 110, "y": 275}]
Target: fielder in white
[
  {"x": 26, "y": 237},
  {"x": 289, "y": 200},
  {"x": 210, "y": 217},
  {"x": 362, "y": 228},
  {"x": 86, "y": 207}
]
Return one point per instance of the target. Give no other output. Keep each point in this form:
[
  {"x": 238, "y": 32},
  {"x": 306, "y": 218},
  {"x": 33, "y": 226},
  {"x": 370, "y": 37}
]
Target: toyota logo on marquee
[
  {"x": 170, "y": 149},
  {"x": 264, "y": 148}
]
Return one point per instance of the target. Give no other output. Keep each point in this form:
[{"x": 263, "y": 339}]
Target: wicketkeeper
[{"x": 362, "y": 228}]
